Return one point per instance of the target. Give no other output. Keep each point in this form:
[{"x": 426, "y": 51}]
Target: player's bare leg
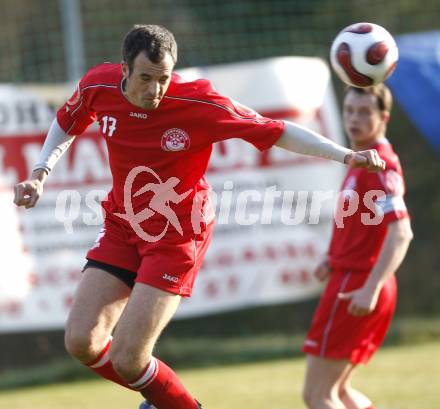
[
  {"x": 98, "y": 304},
  {"x": 147, "y": 313},
  {"x": 321, "y": 388},
  {"x": 352, "y": 398}
]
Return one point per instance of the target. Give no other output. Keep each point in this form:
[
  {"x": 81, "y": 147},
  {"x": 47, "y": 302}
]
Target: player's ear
[
  {"x": 385, "y": 116},
  {"x": 125, "y": 69}
]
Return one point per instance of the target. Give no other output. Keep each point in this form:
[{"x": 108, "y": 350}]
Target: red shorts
[
  {"x": 336, "y": 334},
  {"x": 170, "y": 264}
]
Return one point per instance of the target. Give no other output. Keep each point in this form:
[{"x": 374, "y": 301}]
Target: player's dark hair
[
  {"x": 156, "y": 41},
  {"x": 381, "y": 92}
]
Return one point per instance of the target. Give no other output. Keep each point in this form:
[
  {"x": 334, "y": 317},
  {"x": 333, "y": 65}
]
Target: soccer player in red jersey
[
  {"x": 357, "y": 305},
  {"x": 159, "y": 130}
]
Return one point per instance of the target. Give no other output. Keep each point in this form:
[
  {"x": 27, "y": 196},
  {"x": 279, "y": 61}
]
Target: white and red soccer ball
[{"x": 364, "y": 54}]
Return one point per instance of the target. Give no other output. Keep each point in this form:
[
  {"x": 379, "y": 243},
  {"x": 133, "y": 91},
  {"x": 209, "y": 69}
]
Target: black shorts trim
[{"x": 126, "y": 276}]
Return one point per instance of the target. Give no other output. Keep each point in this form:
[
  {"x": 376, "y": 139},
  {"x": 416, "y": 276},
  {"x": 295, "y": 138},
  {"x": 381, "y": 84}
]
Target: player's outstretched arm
[
  {"x": 28, "y": 192},
  {"x": 299, "y": 139}
]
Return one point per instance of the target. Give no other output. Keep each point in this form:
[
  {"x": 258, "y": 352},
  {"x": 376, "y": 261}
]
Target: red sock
[
  {"x": 160, "y": 385},
  {"x": 104, "y": 368}
]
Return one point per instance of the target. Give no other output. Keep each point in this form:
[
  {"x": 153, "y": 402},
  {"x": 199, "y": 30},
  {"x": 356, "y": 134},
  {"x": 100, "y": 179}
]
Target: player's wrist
[
  {"x": 39, "y": 175},
  {"x": 348, "y": 156},
  {"x": 373, "y": 286}
]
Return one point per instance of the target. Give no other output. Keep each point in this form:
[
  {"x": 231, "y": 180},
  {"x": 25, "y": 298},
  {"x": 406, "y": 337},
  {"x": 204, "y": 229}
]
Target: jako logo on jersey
[
  {"x": 140, "y": 115},
  {"x": 170, "y": 278},
  {"x": 175, "y": 139}
]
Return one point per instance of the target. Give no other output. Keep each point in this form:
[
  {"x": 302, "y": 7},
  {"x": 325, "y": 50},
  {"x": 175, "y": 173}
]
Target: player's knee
[
  {"x": 308, "y": 395},
  {"x": 314, "y": 396},
  {"x": 311, "y": 395},
  {"x": 82, "y": 346}
]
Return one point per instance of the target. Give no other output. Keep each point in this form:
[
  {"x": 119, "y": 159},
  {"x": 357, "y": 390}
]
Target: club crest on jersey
[{"x": 174, "y": 140}]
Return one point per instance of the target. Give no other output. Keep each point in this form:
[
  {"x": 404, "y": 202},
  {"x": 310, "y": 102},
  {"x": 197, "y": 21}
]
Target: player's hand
[
  {"x": 322, "y": 271},
  {"x": 362, "y": 301},
  {"x": 369, "y": 159},
  {"x": 28, "y": 192}
]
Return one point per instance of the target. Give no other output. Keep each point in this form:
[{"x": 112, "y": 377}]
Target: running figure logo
[{"x": 164, "y": 193}]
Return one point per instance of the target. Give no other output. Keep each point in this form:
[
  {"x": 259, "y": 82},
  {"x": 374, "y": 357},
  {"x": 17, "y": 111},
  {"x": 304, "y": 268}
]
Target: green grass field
[{"x": 404, "y": 377}]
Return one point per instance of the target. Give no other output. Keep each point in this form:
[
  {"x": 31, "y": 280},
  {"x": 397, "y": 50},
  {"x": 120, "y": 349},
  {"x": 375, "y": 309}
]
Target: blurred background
[{"x": 56, "y": 41}]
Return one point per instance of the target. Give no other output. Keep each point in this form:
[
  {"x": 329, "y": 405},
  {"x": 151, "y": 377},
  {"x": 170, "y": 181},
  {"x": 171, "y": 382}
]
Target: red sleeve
[
  {"x": 75, "y": 115},
  {"x": 391, "y": 182},
  {"x": 229, "y": 119}
]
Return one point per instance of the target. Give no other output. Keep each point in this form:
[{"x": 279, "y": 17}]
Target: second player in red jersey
[
  {"x": 357, "y": 245},
  {"x": 367, "y": 246}
]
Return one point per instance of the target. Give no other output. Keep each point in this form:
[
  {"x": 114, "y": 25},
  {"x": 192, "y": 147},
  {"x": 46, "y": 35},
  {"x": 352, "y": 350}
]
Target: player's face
[
  {"x": 364, "y": 122},
  {"x": 146, "y": 85}
]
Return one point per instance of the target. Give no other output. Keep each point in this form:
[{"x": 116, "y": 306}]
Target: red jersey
[
  {"x": 356, "y": 246},
  {"x": 161, "y": 153}
]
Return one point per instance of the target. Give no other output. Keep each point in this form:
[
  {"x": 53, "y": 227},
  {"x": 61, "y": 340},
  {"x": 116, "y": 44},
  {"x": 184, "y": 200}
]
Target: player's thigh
[
  {"x": 97, "y": 306},
  {"x": 147, "y": 313},
  {"x": 324, "y": 375}
]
